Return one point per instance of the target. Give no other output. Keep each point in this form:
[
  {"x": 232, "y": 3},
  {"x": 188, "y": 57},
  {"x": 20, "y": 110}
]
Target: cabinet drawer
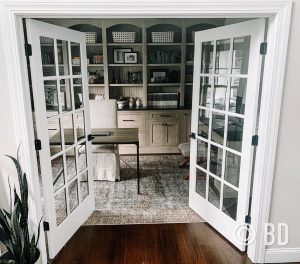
[
  {"x": 131, "y": 120},
  {"x": 164, "y": 115}
]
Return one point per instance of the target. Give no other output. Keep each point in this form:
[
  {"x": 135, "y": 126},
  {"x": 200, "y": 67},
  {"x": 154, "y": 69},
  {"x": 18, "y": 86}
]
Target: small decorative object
[
  {"x": 131, "y": 102},
  {"x": 138, "y": 102},
  {"x": 174, "y": 76},
  {"x": 14, "y": 234},
  {"x": 162, "y": 37},
  {"x": 130, "y": 57},
  {"x": 123, "y": 37},
  {"x": 90, "y": 37},
  {"x": 134, "y": 77},
  {"x": 122, "y": 102},
  {"x": 76, "y": 61},
  {"x": 159, "y": 76},
  {"x": 119, "y": 55},
  {"x": 97, "y": 59}
]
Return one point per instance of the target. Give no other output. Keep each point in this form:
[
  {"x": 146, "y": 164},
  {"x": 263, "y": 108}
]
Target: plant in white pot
[{"x": 14, "y": 234}]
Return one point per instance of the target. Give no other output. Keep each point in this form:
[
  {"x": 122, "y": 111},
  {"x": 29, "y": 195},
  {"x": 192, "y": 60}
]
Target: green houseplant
[{"x": 14, "y": 233}]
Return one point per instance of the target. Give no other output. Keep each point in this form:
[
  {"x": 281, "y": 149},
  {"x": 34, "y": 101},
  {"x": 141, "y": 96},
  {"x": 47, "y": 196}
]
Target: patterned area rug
[{"x": 164, "y": 196}]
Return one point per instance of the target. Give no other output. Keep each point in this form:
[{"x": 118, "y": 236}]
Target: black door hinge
[
  {"x": 248, "y": 219},
  {"x": 263, "y": 48},
  {"x": 193, "y": 136},
  {"x": 37, "y": 144},
  {"x": 46, "y": 226},
  {"x": 90, "y": 137},
  {"x": 254, "y": 140},
  {"x": 28, "y": 49}
]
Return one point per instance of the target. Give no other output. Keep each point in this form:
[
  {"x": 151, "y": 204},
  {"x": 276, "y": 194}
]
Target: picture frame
[
  {"x": 119, "y": 55},
  {"x": 159, "y": 75},
  {"x": 130, "y": 57}
]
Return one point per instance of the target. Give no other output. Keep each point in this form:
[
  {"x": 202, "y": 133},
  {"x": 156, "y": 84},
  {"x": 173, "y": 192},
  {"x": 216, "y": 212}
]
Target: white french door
[
  {"x": 227, "y": 70},
  {"x": 59, "y": 85}
]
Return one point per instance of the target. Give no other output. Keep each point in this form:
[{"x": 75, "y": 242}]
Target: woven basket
[
  {"x": 122, "y": 37},
  {"x": 45, "y": 40},
  {"x": 90, "y": 37},
  {"x": 162, "y": 37}
]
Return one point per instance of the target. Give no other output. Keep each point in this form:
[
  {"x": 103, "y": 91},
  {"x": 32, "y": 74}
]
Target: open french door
[
  {"x": 59, "y": 85},
  {"x": 227, "y": 71}
]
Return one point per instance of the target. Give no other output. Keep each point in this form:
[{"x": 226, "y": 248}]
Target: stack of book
[{"x": 163, "y": 100}]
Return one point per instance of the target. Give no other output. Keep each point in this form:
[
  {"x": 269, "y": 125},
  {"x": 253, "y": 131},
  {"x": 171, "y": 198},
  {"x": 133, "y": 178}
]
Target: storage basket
[
  {"x": 162, "y": 37},
  {"x": 45, "y": 40},
  {"x": 90, "y": 37},
  {"x": 128, "y": 37}
]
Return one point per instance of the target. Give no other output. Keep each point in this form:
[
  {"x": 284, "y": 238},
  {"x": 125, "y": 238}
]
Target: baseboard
[{"x": 280, "y": 255}]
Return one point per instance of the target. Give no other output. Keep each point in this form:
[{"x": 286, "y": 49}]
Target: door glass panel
[
  {"x": 71, "y": 164},
  {"x": 48, "y": 58},
  {"x": 203, "y": 123},
  {"x": 81, "y": 157},
  {"x": 201, "y": 182},
  {"x": 205, "y": 91},
  {"x": 78, "y": 96},
  {"x": 232, "y": 169},
  {"x": 51, "y": 98},
  {"x": 54, "y": 133},
  {"x": 207, "y": 57},
  {"x": 63, "y": 57},
  {"x": 216, "y": 157},
  {"x": 202, "y": 152},
  {"x": 219, "y": 97},
  {"x": 76, "y": 59},
  {"x": 235, "y": 133},
  {"x": 61, "y": 206},
  {"x": 222, "y": 56},
  {"x": 73, "y": 195},
  {"x": 214, "y": 190},
  {"x": 58, "y": 177},
  {"x": 67, "y": 123},
  {"x": 217, "y": 128},
  {"x": 230, "y": 201},
  {"x": 80, "y": 126},
  {"x": 238, "y": 89},
  {"x": 240, "y": 60},
  {"x": 66, "y": 95},
  {"x": 84, "y": 186}
]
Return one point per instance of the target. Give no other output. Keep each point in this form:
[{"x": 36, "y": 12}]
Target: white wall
[
  {"x": 8, "y": 140},
  {"x": 286, "y": 188}
]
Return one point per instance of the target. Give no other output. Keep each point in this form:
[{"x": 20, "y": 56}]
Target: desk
[{"x": 117, "y": 136}]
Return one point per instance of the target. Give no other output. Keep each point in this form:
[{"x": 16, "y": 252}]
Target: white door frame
[{"x": 279, "y": 14}]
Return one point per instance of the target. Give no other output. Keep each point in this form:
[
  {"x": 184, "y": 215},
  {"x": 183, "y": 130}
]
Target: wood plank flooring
[{"x": 144, "y": 244}]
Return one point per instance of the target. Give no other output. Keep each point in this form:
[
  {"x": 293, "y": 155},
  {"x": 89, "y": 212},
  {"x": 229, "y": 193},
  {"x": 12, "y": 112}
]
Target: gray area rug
[{"x": 164, "y": 197}]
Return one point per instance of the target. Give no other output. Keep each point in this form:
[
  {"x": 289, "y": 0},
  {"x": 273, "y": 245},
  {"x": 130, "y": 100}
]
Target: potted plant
[{"x": 14, "y": 234}]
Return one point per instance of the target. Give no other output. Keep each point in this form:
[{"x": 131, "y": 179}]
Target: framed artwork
[
  {"x": 119, "y": 55},
  {"x": 159, "y": 75},
  {"x": 130, "y": 57}
]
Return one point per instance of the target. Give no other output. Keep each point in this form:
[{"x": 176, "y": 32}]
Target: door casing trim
[{"x": 279, "y": 14}]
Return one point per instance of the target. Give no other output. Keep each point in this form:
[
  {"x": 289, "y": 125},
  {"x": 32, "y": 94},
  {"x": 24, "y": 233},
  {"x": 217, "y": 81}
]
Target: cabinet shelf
[
  {"x": 163, "y": 84},
  {"x": 164, "y": 44},
  {"x": 97, "y": 85},
  {"x": 126, "y": 85},
  {"x": 94, "y": 44},
  {"x": 164, "y": 64},
  {"x": 124, "y": 44},
  {"x": 95, "y": 65},
  {"x": 190, "y": 44},
  {"x": 125, "y": 65}
]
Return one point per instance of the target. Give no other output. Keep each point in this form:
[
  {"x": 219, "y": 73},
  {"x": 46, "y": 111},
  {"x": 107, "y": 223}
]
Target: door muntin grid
[
  {"x": 221, "y": 114},
  {"x": 66, "y": 124}
]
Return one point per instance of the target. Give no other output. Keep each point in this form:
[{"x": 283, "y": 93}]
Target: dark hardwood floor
[{"x": 143, "y": 244}]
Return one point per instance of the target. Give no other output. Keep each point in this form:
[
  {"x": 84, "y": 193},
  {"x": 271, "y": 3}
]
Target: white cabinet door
[
  {"x": 227, "y": 72},
  {"x": 59, "y": 84}
]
